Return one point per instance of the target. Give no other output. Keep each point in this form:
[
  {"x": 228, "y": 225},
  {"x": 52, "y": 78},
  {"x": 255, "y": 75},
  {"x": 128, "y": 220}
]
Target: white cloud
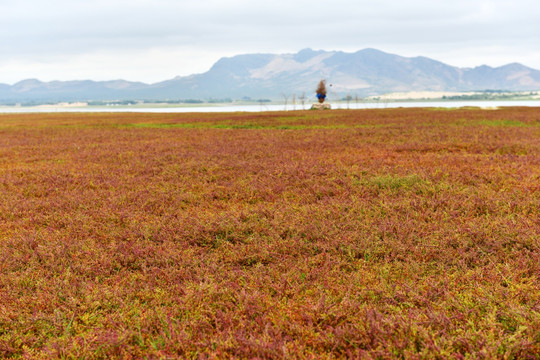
[{"x": 155, "y": 40}]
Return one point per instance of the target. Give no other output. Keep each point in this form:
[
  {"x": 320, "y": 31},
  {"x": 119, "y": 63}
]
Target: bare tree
[
  {"x": 348, "y": 98},
  {"x": 302, "y": 99},
  {"x": 286, "y": 98},
  {"x": 294, "y": 101},
  {"x": 261, "y": 102}
]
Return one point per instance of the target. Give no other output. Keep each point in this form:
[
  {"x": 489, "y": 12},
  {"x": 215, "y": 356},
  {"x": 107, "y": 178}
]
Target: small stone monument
[{"x": 321, "y": 96}]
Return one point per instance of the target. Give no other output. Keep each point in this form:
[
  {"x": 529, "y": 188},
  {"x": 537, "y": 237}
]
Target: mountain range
[{"x": 366, "y": 72}]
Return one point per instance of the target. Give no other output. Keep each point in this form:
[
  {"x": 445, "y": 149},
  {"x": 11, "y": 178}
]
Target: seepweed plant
[{"x": 395, "y": 233}]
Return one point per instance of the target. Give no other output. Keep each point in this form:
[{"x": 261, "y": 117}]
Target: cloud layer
[{"x": 155, "y": 40}]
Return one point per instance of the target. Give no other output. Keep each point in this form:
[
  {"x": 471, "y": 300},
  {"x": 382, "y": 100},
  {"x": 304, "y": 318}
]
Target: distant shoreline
[
  {"x": 336, "y": 105},
  {"x": 399, "y": 97}
]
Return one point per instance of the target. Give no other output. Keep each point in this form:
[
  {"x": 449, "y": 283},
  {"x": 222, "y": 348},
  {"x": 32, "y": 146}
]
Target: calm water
[{"x": 259, "y": 108}]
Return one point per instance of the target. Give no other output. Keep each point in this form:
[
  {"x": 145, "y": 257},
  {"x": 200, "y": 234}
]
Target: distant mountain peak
[
  {"x": 27, "y": 85},
  {"x": 306, "y": 54},
  {"x": 28, "y": 82},
  {"x": 290, "y": 64}
]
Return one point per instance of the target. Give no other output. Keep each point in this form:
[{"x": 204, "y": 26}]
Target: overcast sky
[{"x": 155, "y": 40}]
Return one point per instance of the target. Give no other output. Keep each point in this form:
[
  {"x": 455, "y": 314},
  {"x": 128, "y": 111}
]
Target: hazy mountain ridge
[{"x": 365, "y": 72}]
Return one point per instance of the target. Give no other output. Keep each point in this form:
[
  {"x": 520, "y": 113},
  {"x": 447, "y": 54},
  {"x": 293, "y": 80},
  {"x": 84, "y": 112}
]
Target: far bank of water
[{"x": 270, "y": 107}]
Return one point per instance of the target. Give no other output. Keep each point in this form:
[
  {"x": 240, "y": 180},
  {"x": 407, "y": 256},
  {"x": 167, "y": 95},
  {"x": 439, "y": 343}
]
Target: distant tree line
[
  {"x": 154, "y": 101},
  {"x": 115, "y": 102},
  {"x": 491, "y": 95},
  {"x": 28, "y": 103}
]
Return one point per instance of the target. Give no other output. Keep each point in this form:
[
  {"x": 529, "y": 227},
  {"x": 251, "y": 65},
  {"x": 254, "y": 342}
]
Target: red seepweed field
[{"x": 389, "y": 233}]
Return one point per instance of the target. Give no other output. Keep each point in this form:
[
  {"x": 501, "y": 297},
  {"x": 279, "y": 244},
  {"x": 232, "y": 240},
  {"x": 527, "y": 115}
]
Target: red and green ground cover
[{"x": 389, "y": 233}]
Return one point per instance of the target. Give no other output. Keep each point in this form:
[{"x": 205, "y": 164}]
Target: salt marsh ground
[{"x": 388, "y": 233}]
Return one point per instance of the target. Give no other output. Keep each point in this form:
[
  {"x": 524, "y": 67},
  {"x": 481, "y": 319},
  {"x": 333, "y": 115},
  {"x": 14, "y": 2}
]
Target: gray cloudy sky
[{"x": 155, "y": 40}]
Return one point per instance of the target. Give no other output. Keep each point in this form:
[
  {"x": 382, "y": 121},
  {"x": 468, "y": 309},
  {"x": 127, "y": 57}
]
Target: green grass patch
[
  {"x": 395, "y": 182},
  {"x": 504, "y": 123},
  {"x": 249, "y": 126},
  {"x": 495, "y": 122}
]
